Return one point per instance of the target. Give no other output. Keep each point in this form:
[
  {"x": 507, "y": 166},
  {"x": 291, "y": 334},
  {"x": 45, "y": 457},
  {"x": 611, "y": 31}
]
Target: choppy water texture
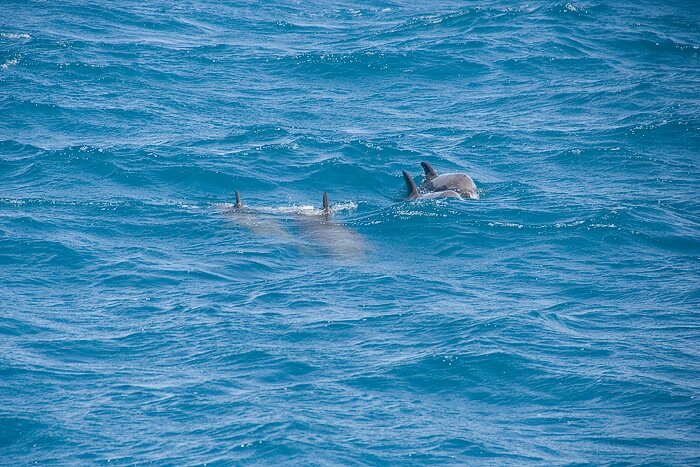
[{"x": 142, "y": 319}]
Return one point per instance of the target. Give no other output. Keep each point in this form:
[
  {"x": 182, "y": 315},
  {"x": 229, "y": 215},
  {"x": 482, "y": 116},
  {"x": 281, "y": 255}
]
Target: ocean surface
[{"x": 143, "y": 319}]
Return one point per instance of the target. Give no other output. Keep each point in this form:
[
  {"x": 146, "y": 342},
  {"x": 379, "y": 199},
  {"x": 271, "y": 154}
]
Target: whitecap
[
  {"x": 307, "y": 210},
  {"x": 9, "y": 63},
  {"x": 411, "y": 213},
  {"x": 12, "y": 35},
  {"x": 560, "y": 225},
  {"x": 304, "y": 210},
  {"x": 505, "y": 224}
]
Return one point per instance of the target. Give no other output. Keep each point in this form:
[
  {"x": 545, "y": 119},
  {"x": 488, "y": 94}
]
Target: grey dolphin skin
[
  {"x": 331, "y": 237},
  {"x": 257, "y": 222},
  {"x": 415, "y": 194},
  {"x": 459, "y": 182}
]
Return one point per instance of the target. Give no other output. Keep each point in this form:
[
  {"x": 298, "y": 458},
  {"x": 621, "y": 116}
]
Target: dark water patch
[
  {"x": 256, "y": 135},
  {"x": 11, "y": 150},
  {"x": 43, "y": 254},
  {"x": 14, "y": 327},
  {"x": 460, "y": 21},
  {"x": 442, "y": 373},
  {"x": 18, "y": 435},
  {"x": 542, "y": 64},
  {"x": 369, "y": 62},
  {"x": 657, "y": 48}
]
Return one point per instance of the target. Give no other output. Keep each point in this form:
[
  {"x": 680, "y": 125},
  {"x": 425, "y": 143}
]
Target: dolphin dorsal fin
[
  {"x": 430, "y": 173},
  {"x": 411, "y": 186},
  {"x": 238, "y": 199},
  {"x": 326, "y": 205}
]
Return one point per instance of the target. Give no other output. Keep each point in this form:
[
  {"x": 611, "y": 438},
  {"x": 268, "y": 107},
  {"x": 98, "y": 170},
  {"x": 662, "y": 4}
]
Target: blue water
[{"x": 554, "y": 320}]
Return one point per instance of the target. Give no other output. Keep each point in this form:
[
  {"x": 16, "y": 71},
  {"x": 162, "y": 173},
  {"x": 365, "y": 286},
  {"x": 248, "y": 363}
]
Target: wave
[{"x": 463, "y": 19}]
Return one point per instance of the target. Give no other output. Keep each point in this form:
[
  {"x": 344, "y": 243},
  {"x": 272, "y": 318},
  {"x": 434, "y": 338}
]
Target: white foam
[
  {"x": 346, "y": 206},
  {"x": 410, "y": 213},
  {"x": 285, "y": 210},
  {"x": 9, "y": 63},
  {"x": 307, "y": 210},
  {"x": 12, "y": 35},
  {"x": 560, "y": 225},
  {"x": 296, "y": 210},
  {"x": 16, "y": 202}
]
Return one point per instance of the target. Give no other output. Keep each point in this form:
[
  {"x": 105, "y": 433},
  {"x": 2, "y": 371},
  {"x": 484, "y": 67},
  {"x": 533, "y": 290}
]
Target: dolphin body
[
  {"x": 459, "y": 182},
  {"x": 257, "y": 222},
  {"x": 317, "y": 230},
  {"x": 332, "y": 237},
  {"x": 415, "y": 194}
]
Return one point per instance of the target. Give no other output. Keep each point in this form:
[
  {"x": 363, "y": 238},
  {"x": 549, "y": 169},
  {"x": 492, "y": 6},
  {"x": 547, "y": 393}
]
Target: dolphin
[
  {"x": 330, "y": 236},
  {"x": 415, "y": 194},
  {"x": 256, "y": 221},
  {"x": 459, "y": 182}
]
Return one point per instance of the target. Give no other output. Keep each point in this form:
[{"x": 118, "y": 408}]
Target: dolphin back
[{"x": 460, "y": 182}]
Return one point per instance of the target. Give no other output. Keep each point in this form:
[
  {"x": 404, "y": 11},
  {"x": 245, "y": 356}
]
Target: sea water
[{"x": 145, "y": 319}]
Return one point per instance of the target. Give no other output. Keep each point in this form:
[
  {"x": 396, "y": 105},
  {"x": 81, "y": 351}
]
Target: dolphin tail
[
  {"x": 430, "y": 173},
  {"x": 238, "y": 199},
  {"x": 411, "y": 186},
  {"x": 326, "y": 205}
]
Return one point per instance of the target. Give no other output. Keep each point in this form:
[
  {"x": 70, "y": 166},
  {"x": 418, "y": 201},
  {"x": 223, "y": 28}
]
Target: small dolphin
[
  {"x": 415, "y": 194},
  {"x": 332, "y": 237},
  {"x": 459, "y": 182},
  {"x": 256, "y": 221}
]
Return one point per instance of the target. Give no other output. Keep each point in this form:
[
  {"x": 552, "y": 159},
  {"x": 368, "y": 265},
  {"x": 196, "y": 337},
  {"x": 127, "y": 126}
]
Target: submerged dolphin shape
[
  {"x": 256, "y": 221},
  {"x": 415, "y": 194},
  {"x": 332, "y": 237},
  {"x": 459, "y": 182}
]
